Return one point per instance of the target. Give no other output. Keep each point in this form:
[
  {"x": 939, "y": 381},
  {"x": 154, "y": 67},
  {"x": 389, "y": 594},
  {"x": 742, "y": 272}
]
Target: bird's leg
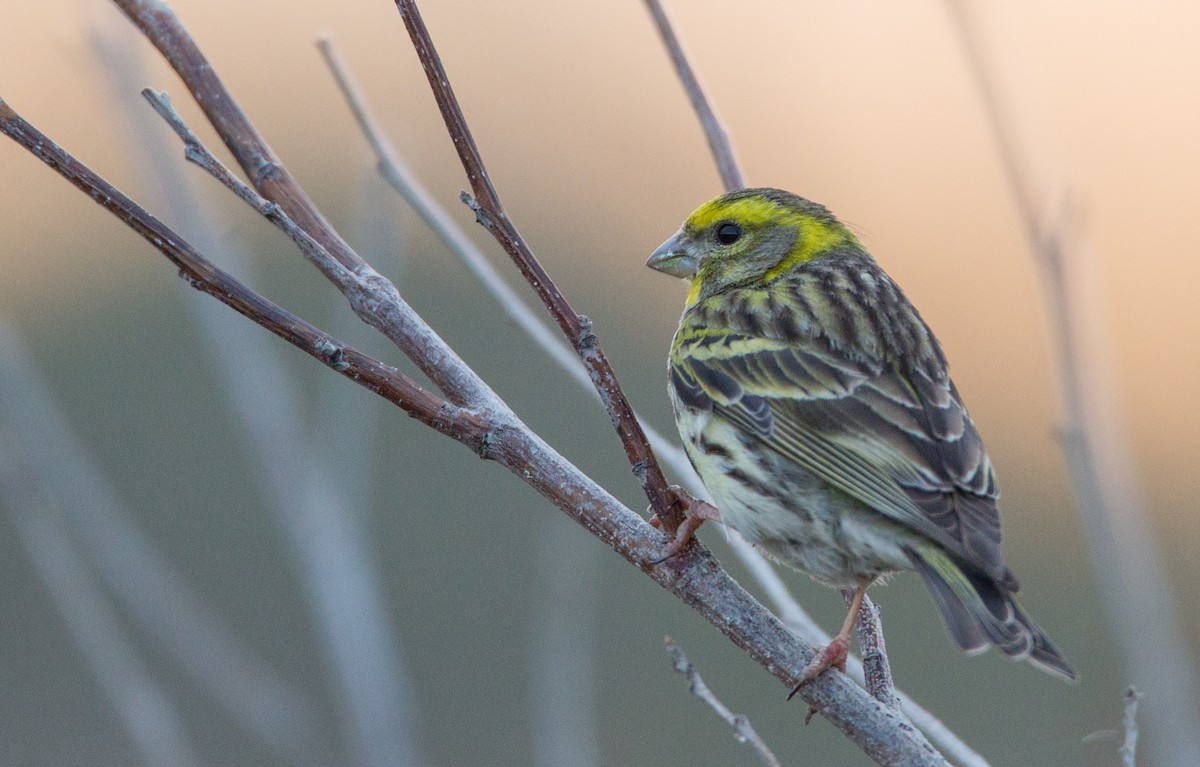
[
  {"x": 833, "y": 655},
  {"x": 695, "y": 513}
]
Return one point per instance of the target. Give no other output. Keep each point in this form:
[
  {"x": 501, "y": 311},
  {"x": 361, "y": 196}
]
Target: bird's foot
[
  {"x": 832, "y": 655},
  {"x": 695, "y": 513}
]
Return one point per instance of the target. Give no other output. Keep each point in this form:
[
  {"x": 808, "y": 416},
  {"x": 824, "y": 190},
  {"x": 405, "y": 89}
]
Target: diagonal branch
[
  {"x": 694, "y": 577},
  {"x": 491, "y": 214},
  {"x": 207, "y": 277},
  {"x": 393, "y": 317},
  {"x": 491, "y": 430},
  {"x": 714, "y": 129},
  {"x": 742, "y": 729}
]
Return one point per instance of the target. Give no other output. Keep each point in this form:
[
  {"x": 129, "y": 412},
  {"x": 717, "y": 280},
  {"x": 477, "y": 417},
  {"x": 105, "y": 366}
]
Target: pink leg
[{"x": 833, "y": 655}]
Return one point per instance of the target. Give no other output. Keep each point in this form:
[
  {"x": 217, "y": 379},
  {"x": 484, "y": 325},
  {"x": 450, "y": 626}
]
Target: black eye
[{"x": 728, "y": 233}]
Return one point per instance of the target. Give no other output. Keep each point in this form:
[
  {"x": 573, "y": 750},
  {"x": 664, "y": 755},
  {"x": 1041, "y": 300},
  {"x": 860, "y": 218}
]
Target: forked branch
[{"x": 469, "y": 411}]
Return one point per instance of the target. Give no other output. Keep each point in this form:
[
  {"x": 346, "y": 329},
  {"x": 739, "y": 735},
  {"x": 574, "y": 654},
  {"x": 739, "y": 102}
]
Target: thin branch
[
  {"x": 322, "y": 517},
  {"x": 714, "y": 129},
  {"x": 877, "y": 672},
  {"x": 206, "y": 277},
  {"x": 401, "y": 178},
  {"x": 742, "y": 729},
  {"x": 393, "y": 316},
  {"x": 694, "y": 576},
  {"x": 1128, "y": 750},
  {"x": 1125, "y": 557},
  {"x": 197, "y": 153},
  {"x": 404, "y": 181},
  {"x": 490, "y": 213}
]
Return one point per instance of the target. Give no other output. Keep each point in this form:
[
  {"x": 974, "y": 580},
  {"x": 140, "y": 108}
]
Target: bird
[{"x": 816, "y": 406}]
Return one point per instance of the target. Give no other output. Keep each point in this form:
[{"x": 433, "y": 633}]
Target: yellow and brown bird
[{"x": 815, "y": 404}]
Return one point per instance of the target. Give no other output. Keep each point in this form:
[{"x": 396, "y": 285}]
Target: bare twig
[
  {"x": 401, "y": 178},
  {"x": 197, "y": 153},
  {"x": 382, "y": 307},
  {"x": 877, "y": 672},
  {"x": 205, "y": 276},
  {"x": 1128, "y": 750},
  {"x": 694, "y": 576},
  {"x": 490, "y": 213},
  {"x": 714, "y": 130},
  {"x": 742, "y": 729},
  {"x": 1125, "y": 557}
]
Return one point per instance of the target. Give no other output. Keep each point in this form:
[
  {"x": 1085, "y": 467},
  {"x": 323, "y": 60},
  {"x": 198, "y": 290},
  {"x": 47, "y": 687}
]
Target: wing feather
[{"x": 899, "y": 441}]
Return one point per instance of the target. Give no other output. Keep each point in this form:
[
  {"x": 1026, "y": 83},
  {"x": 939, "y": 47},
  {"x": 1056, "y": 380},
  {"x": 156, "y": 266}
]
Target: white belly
[{"x": 792, "y": 515}]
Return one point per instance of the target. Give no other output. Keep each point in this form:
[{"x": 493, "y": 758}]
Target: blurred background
[{"x": 215, "y": 551}]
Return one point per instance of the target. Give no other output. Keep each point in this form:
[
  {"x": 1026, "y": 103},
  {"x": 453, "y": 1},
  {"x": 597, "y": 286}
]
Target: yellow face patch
[
  {"x": 815, "y": 235},
  {"x": 750, "y": 212}
]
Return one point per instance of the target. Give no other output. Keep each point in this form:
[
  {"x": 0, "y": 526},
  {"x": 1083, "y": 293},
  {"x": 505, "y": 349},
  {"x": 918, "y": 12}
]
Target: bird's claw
[
  {"x": 832, "y": 655},
  {"x": 695, "y": 513}
]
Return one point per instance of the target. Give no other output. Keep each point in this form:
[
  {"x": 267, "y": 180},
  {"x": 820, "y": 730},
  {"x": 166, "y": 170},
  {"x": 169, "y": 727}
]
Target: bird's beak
[{"x": 674, "y": 258}]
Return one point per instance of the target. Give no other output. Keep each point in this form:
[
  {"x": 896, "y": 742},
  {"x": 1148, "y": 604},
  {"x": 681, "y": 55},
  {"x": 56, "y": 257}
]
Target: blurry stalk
[
  {"x": 397, "y": 173},
  {"x": 563, "y": 648},
  {"x": 1128, "y": 749},
  {"x": 27, "y": 488},
  {"x": 206, "y": 649},
  {"x": 328, "y": 537},
  {"x": 1142, "y": 613}
]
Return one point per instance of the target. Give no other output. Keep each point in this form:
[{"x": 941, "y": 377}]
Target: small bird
[{"x": 815, "y": 404}]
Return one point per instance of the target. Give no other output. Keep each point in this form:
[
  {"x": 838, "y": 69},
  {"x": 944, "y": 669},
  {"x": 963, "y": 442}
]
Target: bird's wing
[{"x": 902, "y": 444}]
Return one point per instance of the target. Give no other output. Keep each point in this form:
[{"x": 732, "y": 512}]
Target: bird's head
[{"x": 748, "y": 237}]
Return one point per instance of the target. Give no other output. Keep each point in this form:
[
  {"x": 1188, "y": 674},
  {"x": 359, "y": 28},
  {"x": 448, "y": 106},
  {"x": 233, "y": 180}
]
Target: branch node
[
  {"x": 587, "y": 342},
  {"x": 267, "y": 170},
  {"x": 331, "y": 354},
  {"x": 481, "y": 216},
  {"x": 193, "y": 154}
]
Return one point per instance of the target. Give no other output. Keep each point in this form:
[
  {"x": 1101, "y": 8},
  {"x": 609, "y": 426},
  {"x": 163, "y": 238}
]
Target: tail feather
[{"x": 979, "y": 612}]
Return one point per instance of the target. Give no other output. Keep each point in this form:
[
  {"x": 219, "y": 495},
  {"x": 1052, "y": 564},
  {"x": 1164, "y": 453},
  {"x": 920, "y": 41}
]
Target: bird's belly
[{"x": 791, "y": 514}]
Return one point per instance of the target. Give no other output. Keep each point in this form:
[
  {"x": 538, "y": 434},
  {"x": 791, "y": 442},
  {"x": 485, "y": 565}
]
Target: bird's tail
[{"x": 979, "y": 612}]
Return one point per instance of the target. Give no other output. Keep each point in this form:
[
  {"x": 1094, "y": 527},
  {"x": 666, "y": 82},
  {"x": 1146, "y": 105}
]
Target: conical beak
[{"x": 673, "y": 258}]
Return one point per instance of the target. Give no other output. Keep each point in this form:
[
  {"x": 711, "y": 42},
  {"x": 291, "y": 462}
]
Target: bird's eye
[{"x": 728, "y": 233}]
